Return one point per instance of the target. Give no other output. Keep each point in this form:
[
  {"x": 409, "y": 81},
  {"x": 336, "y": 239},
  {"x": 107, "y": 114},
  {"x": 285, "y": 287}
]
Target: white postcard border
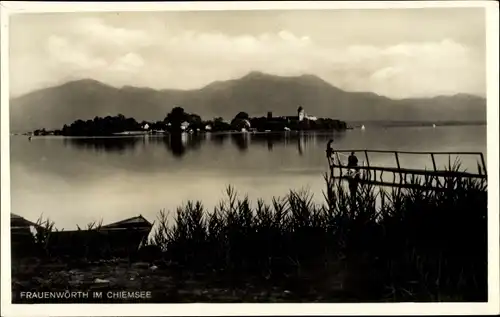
[{"x": 492, "y": 307}]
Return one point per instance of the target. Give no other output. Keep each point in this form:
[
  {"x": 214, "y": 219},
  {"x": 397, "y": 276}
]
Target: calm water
[{"x": 76, "y": 181}]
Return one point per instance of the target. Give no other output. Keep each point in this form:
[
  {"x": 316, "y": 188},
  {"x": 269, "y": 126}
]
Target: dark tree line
[
  {"x": 101, "y": 126},
  {"x": 178, "y": 120}
]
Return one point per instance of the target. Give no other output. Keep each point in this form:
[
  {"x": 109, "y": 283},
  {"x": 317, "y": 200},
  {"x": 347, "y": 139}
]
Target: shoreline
[
  {"x": 291, "y": 250},
  {"x": 375, "y": 127}
]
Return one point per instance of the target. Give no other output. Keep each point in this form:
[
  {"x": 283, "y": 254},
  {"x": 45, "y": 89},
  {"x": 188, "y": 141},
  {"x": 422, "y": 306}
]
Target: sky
[{"x": 399, "y": 53}]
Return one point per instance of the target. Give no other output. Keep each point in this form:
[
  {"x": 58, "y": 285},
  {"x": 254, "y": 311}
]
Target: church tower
[{"x": 301, "y": 113}]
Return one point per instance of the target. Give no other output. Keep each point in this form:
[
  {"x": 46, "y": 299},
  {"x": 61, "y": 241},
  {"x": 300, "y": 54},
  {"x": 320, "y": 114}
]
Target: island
[{"x": 178, "y": 121}]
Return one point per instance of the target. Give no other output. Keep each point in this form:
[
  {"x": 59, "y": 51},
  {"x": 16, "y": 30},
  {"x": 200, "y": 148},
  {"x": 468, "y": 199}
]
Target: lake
[{"x": 79, "y": 180}]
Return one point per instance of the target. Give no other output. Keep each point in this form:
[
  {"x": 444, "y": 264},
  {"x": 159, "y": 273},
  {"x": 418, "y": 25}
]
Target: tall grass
[
  {"x": 380, "y": 244},
  {"x": 43, "y": 230}
]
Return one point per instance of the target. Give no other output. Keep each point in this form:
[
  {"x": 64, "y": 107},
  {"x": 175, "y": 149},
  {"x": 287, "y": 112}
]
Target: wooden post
[
  {"x": 339, "y": 163},
  {"x": 367, "y": 160},
  {"x": 399, "y": 168},
  {"x": 435, "y": 168},
  {"x": 484, "y": 164},
  {"x": 368, "y": 164}
]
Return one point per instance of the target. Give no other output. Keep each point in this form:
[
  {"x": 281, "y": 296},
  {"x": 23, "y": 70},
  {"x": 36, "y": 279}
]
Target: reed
[
  {"x": 43, "y": 230},
  {"x": 380, "y": 244}
]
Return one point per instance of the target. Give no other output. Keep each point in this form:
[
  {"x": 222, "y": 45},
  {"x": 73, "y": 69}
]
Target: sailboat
[
  {"x": 363, "y": 127},
  {"x": 433, "y": 125}
]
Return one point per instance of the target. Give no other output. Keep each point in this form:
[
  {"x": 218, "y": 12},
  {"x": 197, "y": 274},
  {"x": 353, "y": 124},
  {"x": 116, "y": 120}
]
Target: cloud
[
  {"x": 186, "y": 59},
  {"x": 97, "y": 30},
  {"x": 130, "y": 62},
  {"x": 386, "y": 73},
  {"x": 420, "y": 69},
  {"x": 404, "y": 69},
  {"x": 63, "y": 52}
]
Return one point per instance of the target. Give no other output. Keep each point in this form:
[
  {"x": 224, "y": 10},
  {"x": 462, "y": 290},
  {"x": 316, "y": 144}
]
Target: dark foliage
[
  {"x": 399, "y": 245},
  {"x": 175, "y": 120},
  {"x": 101, "y": 126}
]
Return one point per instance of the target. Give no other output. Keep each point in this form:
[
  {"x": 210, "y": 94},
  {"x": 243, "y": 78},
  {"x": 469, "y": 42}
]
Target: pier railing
[{"x": 433, "y": 176}]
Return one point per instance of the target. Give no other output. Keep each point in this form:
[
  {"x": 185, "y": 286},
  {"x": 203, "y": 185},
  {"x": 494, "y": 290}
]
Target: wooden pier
[{"x": 431, "y": 178}]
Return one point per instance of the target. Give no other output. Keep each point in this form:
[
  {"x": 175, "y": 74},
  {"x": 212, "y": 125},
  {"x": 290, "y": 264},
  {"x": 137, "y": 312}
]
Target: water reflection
[
  {"x": 180, "y": 144},
  {"x": 304, "y": 144},
  {"x": 176, "y": 144},
  {"x": 302, "y": 141},
  {"x": 119, "y": 144},
  {"x": 218, "y": 138},
  {"x": 76, "y": 180},
  {"x": 241, "y": 141}
]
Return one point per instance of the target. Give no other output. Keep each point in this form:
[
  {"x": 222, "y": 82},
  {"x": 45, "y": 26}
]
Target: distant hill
[{"x": 256, "y": 93}]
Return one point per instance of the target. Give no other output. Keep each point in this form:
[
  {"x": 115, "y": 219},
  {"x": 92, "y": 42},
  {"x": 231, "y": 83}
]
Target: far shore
[
  {"x": 185, "y": 133},
  {"x": 375, "y": 125}
]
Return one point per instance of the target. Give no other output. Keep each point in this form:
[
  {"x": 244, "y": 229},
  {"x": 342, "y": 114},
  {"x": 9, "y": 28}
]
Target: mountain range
[{"x": 256, "y": 93}]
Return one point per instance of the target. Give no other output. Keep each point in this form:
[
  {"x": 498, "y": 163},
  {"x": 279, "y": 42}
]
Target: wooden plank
[
  {"x": 398, "y": 185},
  {"x": 438, "y": 173},
  {"x": 411, "y": 152}
]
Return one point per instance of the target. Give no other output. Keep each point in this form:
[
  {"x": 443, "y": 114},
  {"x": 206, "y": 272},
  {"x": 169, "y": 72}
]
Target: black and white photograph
[{"x": 231, "y": 155}]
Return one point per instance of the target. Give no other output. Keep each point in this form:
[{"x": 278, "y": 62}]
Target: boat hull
[
  {"x": 118, "y": 239},
  {"x": 97, "y": 243}
]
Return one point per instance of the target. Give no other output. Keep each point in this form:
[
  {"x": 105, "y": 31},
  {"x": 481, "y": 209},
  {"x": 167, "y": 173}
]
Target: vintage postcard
[{"x": 322, "y": 157}]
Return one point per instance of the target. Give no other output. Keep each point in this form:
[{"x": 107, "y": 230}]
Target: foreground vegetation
[
  {"x": 411, "y": 245},
  {"x": 382, "y": 245}
]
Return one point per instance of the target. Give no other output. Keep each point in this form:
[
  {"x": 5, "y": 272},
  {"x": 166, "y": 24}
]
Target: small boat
[
  {"x": 117, "y": 239},
  {"x": 158, "y": 132},
  {"x": 131, "y": 133},
  {"x": 363, "y": 127},
  {"x": 433, "y": 125},
  {"x": 22, "y": 239}
]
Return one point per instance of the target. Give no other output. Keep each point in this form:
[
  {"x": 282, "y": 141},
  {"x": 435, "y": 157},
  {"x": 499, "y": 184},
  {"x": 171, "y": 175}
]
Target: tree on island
[
  {"x": 195, "y": 122},
  {"x": 175, "y": 118},
  {"x": 178, "y": 115},
  {"x": 241, "y": 121},
  {"x": 242, "y": 115},
  {"x": 101, "y": 126},
  {"x": 218, "y": 124}
]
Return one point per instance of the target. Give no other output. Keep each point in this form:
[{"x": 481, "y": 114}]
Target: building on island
[
  {"x": 301, "y": 113},
  {"x": 300, "y": 117},
  {"x": 297, "y": 122}
]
